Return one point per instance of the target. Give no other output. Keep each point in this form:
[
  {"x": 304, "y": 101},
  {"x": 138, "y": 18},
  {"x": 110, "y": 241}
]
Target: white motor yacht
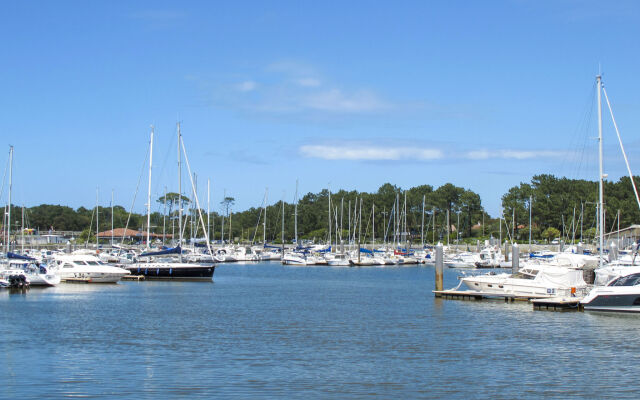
[
  {"x": 621, "y": 293},
  {"x": 85, "y": 267},
  {"x": 531, "y": 281}
]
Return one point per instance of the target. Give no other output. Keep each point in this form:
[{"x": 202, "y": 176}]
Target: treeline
[
  {"x": 559, "y": 206},
  {"x": 569, "y": 206}
]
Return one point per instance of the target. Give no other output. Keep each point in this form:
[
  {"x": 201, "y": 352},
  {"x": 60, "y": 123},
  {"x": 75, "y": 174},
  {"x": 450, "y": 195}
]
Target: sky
[{"x": 334, "y": 94}]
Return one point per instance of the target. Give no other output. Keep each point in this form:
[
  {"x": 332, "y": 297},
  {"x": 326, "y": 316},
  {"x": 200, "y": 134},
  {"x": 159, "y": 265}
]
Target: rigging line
[
  {"x": 90, "y": 225},
  {"x": 160, "y": 175},
  {"x": 133, "y": 202},
  {"x": 584, "y": 126},
  {"x": 624, "y": 153},
  {"x": 193, "y": 187}
]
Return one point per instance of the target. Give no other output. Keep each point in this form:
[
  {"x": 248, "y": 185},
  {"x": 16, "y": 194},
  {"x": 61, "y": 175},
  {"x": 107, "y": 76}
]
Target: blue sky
[{"x": 346, "y": 95}]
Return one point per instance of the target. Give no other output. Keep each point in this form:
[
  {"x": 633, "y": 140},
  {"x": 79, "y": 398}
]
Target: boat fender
[
  {"x": 145, "y": 271},
  {"x": 170, "y": 271},
  {"x": 158, "y": 271}
]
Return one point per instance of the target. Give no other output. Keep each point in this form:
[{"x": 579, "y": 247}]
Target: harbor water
[{"x": 267, "y": 330}]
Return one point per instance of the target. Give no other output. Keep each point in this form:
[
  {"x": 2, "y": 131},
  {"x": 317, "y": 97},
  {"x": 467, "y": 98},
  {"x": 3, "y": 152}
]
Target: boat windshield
[
  {"x": 629, "y": 280},
  {"x": 525, "y": 274}
]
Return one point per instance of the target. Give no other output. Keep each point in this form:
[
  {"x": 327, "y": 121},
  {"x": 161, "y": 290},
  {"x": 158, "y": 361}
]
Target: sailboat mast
[
  {"x": 22, "y": 232},
  {"x": 97, "y": 220},
  {"x": 264, "y": 224},
  {"x": 422, "y": 225},
  {"x": 329, "y": 217},
  {"x": 295, "y": 214},
  {"x": 601, "y": 175},
  {"x": 208, "y": 211},
  {"x": 9, "y": 206},
  {"x": 111, "y": 217},
  {"x": 530, "y": 207},
  {"x": 149, "y": 189},
  {"x": 164, "y": 217},
  {"x": 179, "y": 194},
  {"x": 373, "y": 226}
]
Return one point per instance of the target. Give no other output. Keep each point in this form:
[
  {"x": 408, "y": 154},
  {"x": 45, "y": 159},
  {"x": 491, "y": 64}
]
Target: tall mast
[
  {"x": 422, "y": 226},
  {"x": 295, "y": 214},
  {"x": 111, "y": 217},
  {"x": 530, "y": 207},
  {"x": 283, "y": 226},
  {"x": 264, "y": 224},
  {"x": 373, "y": 226},
  {"x": 224, "y": 197},
  {"x": 601, "y": 174},
  {"x": 329, "y": 217},
  {"x": 208, "y": 212},
  {"x": 9, "y": 206},
  {"x": 164, "y": 216},
  {"x": 179, "y": 194},
  {"x": 97, "y": 220},
  {"x": 22, "y": 232},
  {"x": 149, "y": 189}
]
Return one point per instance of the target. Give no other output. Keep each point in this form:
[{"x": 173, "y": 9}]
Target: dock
[
  {"x": 539, "y": 303},
  {"x": 557, "y": 304},
  {"x": 476, "y": 296}
]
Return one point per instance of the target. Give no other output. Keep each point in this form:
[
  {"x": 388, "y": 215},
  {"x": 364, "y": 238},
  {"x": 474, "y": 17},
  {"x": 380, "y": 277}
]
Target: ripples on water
[{"x": 266, "y": 330}]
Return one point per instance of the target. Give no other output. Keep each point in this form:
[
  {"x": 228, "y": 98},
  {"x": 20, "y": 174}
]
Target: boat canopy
[
  {"x": 175, "y": 250},
  {"x": 367, "y": 251},
  {"x": 19, "y": 257}
]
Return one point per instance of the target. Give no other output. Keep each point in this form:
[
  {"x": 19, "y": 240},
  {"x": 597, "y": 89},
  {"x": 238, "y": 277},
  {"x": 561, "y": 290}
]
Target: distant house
[{"x": 626, "y": 235}]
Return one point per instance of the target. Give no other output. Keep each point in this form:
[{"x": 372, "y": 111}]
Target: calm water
[{"x": 265, "y": 330}]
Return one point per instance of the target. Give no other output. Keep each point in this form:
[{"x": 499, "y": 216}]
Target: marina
[{"x": 320, "y": 200}]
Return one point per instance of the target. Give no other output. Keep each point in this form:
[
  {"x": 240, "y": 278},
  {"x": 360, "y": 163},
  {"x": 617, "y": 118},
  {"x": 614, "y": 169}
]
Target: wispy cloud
[
  {"x": 308, "y": 82},
  {"x": 485, "y": 154},
  {"x": 370, "y": 153},
  {"x": 288, "y": 87},
  {"x": 246, "y": 86},
  {"x": 355, "y": 151}
]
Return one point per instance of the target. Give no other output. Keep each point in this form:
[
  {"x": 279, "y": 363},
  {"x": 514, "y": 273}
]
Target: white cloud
[
  {"x": 334, "y": 100},
  {"x": 308, "y": 82},
  {"x": 485, "y": 154},
  {"x": 247, "y": 86},
  {"x": 360, "y": 152}
]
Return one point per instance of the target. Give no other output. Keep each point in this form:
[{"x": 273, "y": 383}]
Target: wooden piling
[{"x": 439, "y": 268}]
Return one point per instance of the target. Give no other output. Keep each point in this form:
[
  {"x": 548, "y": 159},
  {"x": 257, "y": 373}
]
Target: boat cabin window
[
  {"x": 80, "y": 262},
  {"x": 92, "y": 263},
  {"x": 629, "y": 280},
  {"x": 67, "y": 266}
]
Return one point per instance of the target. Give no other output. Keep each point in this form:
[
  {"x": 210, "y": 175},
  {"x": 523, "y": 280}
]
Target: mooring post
[
  {"x": 506, "y": 251},
  {"x": 515, "y": 258},
  {"x": 439, "y": 266}
]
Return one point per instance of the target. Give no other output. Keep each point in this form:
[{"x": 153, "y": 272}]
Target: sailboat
[
  {"x": 162, "y": 264},
  {"x": 18, "y": 270},
  {"x": 621, "y": 292}
]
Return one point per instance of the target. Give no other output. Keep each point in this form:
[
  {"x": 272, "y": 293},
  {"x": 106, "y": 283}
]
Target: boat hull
[{"x": 187, "y": 272}]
